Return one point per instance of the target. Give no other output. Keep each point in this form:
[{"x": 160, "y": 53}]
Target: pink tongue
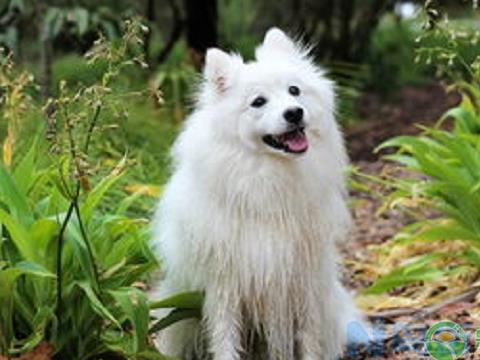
[{"x": 297, "y": 143}]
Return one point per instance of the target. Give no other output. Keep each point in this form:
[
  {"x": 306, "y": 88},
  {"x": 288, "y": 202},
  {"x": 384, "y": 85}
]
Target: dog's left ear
[{"x": 276, "y": 41}]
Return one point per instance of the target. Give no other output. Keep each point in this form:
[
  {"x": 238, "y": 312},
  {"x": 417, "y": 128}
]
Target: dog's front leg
[
  {"x": 322, "y": 334},
  {"x": 223, "y": 319}
]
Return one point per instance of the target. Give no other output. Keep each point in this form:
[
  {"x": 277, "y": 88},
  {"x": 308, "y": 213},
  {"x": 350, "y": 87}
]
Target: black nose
[{"x": 293, "y": 115}]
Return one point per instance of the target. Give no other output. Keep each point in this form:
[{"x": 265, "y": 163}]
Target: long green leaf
[
  {"x": 96, "y": 304},
  {"x": 185, "y": 300}
]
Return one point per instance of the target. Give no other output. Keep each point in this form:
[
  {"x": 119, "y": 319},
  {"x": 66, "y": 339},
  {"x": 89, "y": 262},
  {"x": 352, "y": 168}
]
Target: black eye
[
  {"x": 294, "y": 90},
  {"x": 258, "y": 102}
]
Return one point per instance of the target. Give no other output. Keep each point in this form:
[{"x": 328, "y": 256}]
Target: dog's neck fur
[{"x": 263, "y": 183}]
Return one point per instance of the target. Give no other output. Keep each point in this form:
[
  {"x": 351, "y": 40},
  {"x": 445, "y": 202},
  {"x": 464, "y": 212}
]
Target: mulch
[{"x": 400, "y": 114}]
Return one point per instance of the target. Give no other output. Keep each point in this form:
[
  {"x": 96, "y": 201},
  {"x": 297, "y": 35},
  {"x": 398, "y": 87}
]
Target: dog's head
[{"x": 272, "y": 105}]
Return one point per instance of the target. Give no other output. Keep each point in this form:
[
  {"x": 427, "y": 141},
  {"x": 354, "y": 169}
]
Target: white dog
[{"x": 254, "y": 208}]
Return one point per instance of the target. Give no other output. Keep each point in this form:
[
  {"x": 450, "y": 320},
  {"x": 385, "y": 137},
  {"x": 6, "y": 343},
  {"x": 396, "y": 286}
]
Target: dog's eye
[
  {"x": 258, "y": 102},
  {"x": 294, "y": 90}
]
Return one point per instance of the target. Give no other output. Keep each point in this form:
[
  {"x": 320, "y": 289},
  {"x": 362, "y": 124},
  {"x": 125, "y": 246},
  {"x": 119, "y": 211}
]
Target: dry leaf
[{"x": 43, "y": 351}]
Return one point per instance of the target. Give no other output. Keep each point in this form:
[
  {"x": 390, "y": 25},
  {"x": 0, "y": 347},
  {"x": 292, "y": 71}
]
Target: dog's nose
[{"x": 293, "y": 115}]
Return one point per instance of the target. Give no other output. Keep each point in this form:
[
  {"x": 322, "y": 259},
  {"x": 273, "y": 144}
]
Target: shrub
[
  {"x": 448, "y": 162},
  {"x": 77, "y": 71},
  {"x": 175, "y": 78},
  {"x": 442, "y": 193},
  {"x": 391, "y": 57},
  {"x": 74, "y": 263}
]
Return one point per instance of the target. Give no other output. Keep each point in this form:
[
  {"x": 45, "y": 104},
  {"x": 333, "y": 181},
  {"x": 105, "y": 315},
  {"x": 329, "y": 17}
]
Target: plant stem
[
  {"x": 93, "y": 123},
  {"x": 75, "y": 207},
  {"x": 59, "y": 256},
  {"x": 87, "y": 243}
]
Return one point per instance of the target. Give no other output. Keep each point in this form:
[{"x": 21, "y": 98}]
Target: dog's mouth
[{"x": 294, "y": 141}]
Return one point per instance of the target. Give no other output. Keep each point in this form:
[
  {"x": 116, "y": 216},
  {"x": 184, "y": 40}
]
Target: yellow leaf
[
  {"x": 382, "y": 302},
  {"x": 8, "y": 150},
  {"x": 144, "y": 189}
]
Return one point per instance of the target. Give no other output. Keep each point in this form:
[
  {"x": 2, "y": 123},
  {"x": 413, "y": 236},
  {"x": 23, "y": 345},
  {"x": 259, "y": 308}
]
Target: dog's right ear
[
  {"x": 276, "y": 43},
  {"x": 219, "y": 68}
]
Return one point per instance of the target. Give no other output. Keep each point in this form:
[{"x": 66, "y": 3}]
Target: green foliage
[
  {"x": 419, "y": 270},
  {"x": 175, "y": 78},
  {"x": 449, "y": 164},
  {"x": 93, "y": 287},
  {"x": 237, "y": 19},
  {"x": 451, "y": 49},
  {"x": 78, "y": 20},
  {"x": 391, "y": 57},
  {"x": 76, "y": 71},
  {"x": 185, "y": 306},
  {"x": 74, "y": 258},
  {"x": 442, "y": 192},
  {"x": 349, "y": 79}
]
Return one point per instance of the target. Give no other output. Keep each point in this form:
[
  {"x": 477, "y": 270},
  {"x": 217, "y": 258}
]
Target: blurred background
[
  {"x": 369, "y": 47},
  {"x": 93, "y": 93}
]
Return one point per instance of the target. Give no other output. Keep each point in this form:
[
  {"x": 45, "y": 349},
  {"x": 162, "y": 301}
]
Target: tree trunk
[
  {"x": 347, "y": 13},
  {"x": 368, "y": 20},
  {"x": 201, "y": 28},
  {"x": 175, "y": 33}
]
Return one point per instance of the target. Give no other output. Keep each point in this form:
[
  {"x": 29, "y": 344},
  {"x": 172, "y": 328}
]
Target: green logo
[
  {"x": 446, "y": 340},
  {"x": 477, "y": 339}
]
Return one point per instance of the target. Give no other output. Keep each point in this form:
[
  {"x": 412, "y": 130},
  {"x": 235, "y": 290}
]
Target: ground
[{"x": 401, "y": 114}]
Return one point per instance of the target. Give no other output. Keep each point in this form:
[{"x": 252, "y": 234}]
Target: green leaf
[
  {"x": 97, "y": 193},
  {"x": 174, "y": 316},
  {"x": 81, "y": 17},
  {"x": 40, "y": 323},
  {"x": 25, "y": 172},
  {"x": 420, "y": 270},
  {"x": 185, "y": 300},
  {"x": 15, "y": 200},
  {"x": 400, "y": 141},
  {"x": 19, "y": 236},
  {"x": 95, "y": 302},
  {"x": 31, "y": 268},
  {"x": 8, "y": 279},
  {"x": 81, "y": 252},
  {"x": 52, "y": 23},
  {"x": 445, "y": 230},
  {"x": 134, "y": 304}
]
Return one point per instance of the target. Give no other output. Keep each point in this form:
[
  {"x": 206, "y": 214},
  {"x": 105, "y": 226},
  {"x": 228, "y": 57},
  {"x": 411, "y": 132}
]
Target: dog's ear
[
  {"x": 219, "y": 68},
  {"x": 276, "y": 41}
]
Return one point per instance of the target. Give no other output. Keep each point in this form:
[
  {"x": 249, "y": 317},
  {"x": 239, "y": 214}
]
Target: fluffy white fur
[{"x": 255, "y": 227}]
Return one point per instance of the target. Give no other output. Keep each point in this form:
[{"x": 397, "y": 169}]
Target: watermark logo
[{"x": 446, "y": 340}]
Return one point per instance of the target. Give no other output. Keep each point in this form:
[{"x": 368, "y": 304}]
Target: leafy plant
[
  {"x": 174, "y": 78},
  {"x": 441, "y": 191},
  {"x": 449, "y": 46},
  {"x": 77, "y": 20},
  {"x": 69, "y": 273},
  {"x": 446, "y": 180},
  {"x": 73, "y": 271},
  {"x": 391, "y": 55}
]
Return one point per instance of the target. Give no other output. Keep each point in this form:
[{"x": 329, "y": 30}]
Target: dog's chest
[
  {"x": 257, "y": 231},
  {"x": 256, "y": 251}
]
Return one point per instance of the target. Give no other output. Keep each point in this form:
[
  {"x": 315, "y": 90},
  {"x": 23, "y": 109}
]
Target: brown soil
[{"x": 408, "y": 108}]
